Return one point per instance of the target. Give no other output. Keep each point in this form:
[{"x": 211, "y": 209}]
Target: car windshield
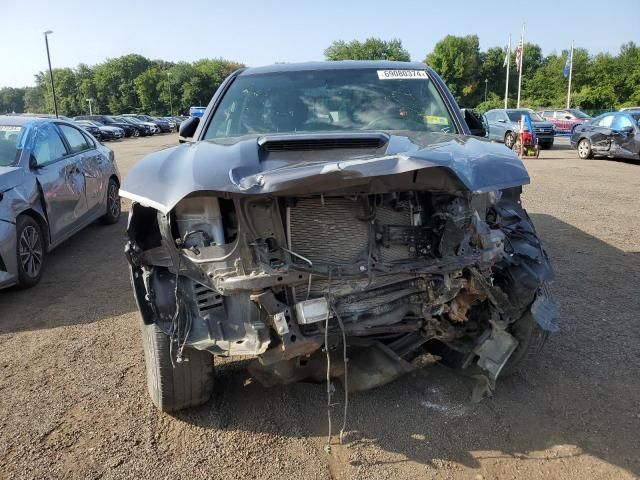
[
  {"x": 10, "y": 144},
  {"x": 330, "y": 100},
  {"x": 578, "y": 113},
  {"x": 516, "y": 115},
  {"x": 636, "y": 117}
]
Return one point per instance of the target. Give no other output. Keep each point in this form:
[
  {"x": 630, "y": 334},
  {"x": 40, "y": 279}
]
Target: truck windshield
[
  {"x": 330, "y": 100},
  {"x": 10, "y": 144}
]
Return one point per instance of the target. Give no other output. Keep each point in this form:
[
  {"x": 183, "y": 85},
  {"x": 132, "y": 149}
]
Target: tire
[
  {"x": 114, "y": 209},
  {"x": 30, "y": 251},
  {"x": 584, "y": 149},
  {"x": 188, "y": 384},
  {"x": 531, "y": 338},
  {"x": 509, "y": 140},
  {"x": 136, "y": 133}
]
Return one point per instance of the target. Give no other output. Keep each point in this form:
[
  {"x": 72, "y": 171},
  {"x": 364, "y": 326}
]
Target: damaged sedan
[
  {"x": 55, "y": 179},
  {"x": 332, "y": 220}
]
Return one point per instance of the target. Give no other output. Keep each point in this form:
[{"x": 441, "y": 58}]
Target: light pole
[
  {"x": 53, "y": 88},
  {"x": 170, "y": 100},
  {"x": 90, "y": 100},
  {"x": 486, "y": 82}
]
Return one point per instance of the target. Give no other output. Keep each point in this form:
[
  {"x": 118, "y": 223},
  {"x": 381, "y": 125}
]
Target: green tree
[
  {"x": 114, "y": 82},
  {"x": 34, "y": 101},
  {"x": 457, "y": 60},
  {"x": 147, "y": 86},
  {"x": 370, "y": 49},
  {"x": 12, "y": 100}
]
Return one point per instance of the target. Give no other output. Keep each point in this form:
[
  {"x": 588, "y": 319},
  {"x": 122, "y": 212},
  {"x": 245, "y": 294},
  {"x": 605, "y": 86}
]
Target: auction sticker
[
  {"x": 9, "y": 128},
  {"x": 402, "y": 74}
]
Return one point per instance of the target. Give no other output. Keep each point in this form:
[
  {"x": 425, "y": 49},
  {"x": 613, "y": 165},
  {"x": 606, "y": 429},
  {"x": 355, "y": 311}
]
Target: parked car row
[{"x": 114, "y": 127}]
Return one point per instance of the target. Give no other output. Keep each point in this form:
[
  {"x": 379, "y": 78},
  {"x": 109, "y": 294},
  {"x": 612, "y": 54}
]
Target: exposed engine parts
[{"x": 403, "y": 273}]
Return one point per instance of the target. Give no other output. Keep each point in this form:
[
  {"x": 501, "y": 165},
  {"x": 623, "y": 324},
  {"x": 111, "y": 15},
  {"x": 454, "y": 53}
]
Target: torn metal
[{"x": 421, "y": 246}]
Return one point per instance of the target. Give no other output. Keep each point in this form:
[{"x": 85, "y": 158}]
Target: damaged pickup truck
[{"x": 332, "y": 220}]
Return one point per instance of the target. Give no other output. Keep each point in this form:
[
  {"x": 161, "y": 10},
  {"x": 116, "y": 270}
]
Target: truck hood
[{"x": 311, "y": 163}]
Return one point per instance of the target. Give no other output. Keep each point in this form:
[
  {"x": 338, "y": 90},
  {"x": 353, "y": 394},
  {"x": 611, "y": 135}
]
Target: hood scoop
[{"x": 322, "y": 141}]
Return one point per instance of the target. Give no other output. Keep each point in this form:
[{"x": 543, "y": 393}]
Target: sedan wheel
[
  {"x": 113, "y": 204},
  {"x": 509, "y": 140},
  {"x": 584, "y": 149},
  {"x": 30, "y": 250},
  {"x": 136, "y": 133}
]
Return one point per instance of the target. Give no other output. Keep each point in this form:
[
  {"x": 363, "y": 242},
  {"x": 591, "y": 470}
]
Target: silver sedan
[{"x": 55, "y": 179}]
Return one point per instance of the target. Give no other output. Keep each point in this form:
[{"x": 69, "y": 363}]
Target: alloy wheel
[
  {"x": 30, "y": 251},
  {"x": 583, "y": 149},
  {"x": 114, "y": 200}
]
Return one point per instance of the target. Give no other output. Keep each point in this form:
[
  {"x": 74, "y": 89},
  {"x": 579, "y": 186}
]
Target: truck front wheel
[{"x": 174, "y": 386}]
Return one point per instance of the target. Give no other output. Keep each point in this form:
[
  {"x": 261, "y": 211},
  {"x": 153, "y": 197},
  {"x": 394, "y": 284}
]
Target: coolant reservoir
[{"x": 201, "y": 216}]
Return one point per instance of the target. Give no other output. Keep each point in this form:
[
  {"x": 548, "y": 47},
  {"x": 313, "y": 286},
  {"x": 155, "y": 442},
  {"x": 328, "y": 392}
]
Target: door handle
[{"x": 73, "y": 170}]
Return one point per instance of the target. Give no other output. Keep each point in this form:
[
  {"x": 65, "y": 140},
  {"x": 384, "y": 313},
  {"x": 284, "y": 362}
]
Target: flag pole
[
  {"x": 520, "y": 67},
  {"x": 570, "y": 75},
  {"x": 506, "y": 88}
]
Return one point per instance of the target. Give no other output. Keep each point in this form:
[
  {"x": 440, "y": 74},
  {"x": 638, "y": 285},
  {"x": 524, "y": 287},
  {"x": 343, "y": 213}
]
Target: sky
[{"x": 264, "y": 32}]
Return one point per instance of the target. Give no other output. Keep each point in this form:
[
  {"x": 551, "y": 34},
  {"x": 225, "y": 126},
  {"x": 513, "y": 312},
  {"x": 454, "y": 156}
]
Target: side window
[
  {"x": 48, "y": 145},
  {"x": 547, "y": 114},
  {"x": 89, "y": 139},
  {"x": 621, "y": 121},
  {"x": 490, "y": 116},
  {"x": 75, "y": 139},
  {"x": 606, "y": 121}
]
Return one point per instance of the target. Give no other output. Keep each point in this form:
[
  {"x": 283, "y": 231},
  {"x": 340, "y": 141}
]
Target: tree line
[
  {"x": 133, "y": 83},
  {"x": 127, "y": 84}
]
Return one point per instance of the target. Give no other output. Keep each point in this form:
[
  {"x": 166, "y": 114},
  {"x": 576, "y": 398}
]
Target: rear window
[{"x": 10, "y": 144}]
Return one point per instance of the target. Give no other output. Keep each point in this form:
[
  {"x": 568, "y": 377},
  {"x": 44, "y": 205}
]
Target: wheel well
[
  {"x": 41, "y": 222},
  {"x": 115, "y": 179}
]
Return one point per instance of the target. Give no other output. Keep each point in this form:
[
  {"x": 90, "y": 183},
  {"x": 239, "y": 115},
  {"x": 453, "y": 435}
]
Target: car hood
[
  {"x": 428, "y": 161},
  {"x": 542, "y": 124},
  {"x": 11, "y": 177},
  {"x": 110, "y": 129}
]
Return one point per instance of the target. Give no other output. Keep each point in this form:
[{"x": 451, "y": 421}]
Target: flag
[
  {"x": 569, "y": 64},
  {"x": 519, "y": 54},
  {"x": 506, "y": 58}
]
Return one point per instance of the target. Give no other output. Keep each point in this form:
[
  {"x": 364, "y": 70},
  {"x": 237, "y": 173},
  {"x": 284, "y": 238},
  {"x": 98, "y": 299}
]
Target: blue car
[
  {"x": 55, "y": 179},
  {"x": 197, "y": 111},
  {"x": 502, "y": 124}
]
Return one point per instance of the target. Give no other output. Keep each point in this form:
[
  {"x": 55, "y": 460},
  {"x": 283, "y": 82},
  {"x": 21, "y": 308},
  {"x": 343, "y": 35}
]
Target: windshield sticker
[
  {"x": 9, "y": 128},
  {"x": 402, "y": 74},
  {"x": 435, "y": 120}
]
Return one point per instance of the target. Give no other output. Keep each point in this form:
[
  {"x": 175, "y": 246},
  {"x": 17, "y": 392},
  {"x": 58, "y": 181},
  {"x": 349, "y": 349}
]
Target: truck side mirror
[{"x": 188, "y": 128}]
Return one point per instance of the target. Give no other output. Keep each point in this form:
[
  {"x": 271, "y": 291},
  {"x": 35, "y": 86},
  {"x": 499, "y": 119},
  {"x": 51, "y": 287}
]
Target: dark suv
[{"x": 109, "y": 121}]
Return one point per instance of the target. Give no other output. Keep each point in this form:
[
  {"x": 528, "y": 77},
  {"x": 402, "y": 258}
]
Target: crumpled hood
[
  {"x": 10, "y": 177},
  {"x": 445, "y": 162}
]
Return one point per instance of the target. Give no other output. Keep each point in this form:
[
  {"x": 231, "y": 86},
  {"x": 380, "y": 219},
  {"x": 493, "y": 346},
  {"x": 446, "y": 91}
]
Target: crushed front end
[{"x": 397, "y": 273}]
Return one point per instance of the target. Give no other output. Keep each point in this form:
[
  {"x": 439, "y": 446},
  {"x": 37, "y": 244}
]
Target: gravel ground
[{"x": 73, "y": 400}]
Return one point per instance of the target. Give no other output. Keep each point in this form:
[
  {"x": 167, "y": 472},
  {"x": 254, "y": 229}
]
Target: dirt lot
[{"x": 73, "y": 400}]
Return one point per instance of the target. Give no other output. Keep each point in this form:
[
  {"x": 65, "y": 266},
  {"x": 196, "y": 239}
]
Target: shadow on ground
[
  {"x": 85, "y": 280},
  {"x": 579, "y": 398}
]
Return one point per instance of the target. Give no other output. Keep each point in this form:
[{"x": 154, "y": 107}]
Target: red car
[{"x": 565, "y": 120}]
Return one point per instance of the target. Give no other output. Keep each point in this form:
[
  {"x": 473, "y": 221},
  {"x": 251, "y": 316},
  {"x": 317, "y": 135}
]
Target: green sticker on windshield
[{"x": 436, "y": 120}]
